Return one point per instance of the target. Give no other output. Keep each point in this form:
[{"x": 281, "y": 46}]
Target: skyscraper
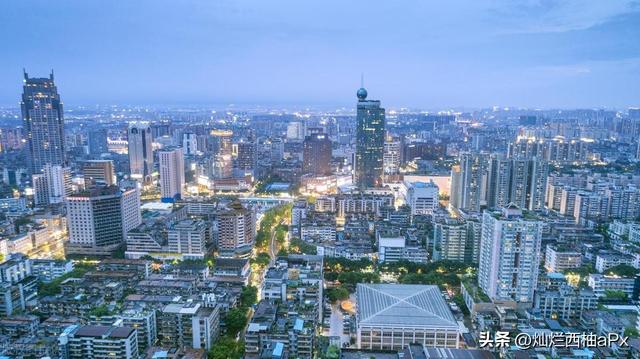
[
  {"x": 509, "y": 255},
  {"x": 370, "y": 133},
  {"x": 140, "y": 151},
  {"x": 171, "y": 174},
  {"x": 43, "y": 122},
  {"x": 473, "y": 174},
  {"x": 317, "y": 154},
  {"x": 246, "y": 159}
]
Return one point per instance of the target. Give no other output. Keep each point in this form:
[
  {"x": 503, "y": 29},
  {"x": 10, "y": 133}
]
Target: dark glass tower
[
  {"x": 369, "y": 142},
  {"x": 43, "y": 122},
  {"x": 317, "y": 155}
]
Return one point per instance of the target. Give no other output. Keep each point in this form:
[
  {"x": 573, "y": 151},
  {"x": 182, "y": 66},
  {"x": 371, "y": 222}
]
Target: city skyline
[{"x": 465, "y": 54}]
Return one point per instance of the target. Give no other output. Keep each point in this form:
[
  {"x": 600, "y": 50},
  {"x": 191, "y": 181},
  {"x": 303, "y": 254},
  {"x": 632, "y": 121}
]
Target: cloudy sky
[{"x": 427, "y": 54}]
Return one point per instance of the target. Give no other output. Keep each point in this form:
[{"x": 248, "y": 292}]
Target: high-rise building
[
  {"x": 100, "y": 218},
  {"x": 222, "y": 161},
  {"x": 473, "y": 175},
  {"x": 98, "y": 173},
  {"x": 455, "y": 195},
  {"x": 392, "y": 155},
  {"x": 317, "y": 154},
  {"x": 43, "y": 122},
  {"x": 455, "y": 240},
  {"x": 97, "y": 142},
  {"x": 189, "y": 143},
  {"x": 140, "y": 151},
  {"x": 246, "y": 158},
  {"x": 370, "y": 133},
  {"x": 171, "y": 174},
  {"x": 295, "y": 131},
  {"x": 509, "y": 255},
  {"x": 236, "y": 230},
  {"x": 498, "y": 185},
  {"x": 52, "y": 185},
  {"x": 188, "y": 237},
  {"x": 422, "y": 197}
]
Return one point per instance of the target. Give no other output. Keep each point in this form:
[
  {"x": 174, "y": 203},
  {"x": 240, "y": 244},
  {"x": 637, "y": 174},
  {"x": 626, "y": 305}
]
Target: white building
[
  {"x": 190, "y": 143},
  {"x": 557, "y": 260},
  {"x": 392, "y": 316},
  {"x": 605, "y": 261},
  {"x": 509, "y": 255},
  {"x": 422, "y": 197},
  {"x": 188, "y": 237},
  {"x": 393, "y": 248},
  {"x": 171, "y": 174},
  {"x": 602, "y": 283}
]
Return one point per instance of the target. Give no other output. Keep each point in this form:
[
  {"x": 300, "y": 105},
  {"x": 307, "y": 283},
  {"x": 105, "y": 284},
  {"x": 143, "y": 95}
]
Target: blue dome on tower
[{"x": 362, "y": 94}]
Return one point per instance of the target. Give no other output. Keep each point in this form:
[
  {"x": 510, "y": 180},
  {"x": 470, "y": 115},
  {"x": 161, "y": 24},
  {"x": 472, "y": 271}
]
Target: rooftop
[{"x": 403, "y": 305}]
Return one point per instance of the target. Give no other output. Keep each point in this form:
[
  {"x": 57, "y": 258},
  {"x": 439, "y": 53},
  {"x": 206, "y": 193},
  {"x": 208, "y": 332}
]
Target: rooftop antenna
[
  {"x": 26, "y": 75},
  {"x": 51, "y": 76},
  {"x": 362, "y": 79}
]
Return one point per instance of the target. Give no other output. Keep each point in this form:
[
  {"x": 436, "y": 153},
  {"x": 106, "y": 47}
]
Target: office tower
[
  {"x": 455, "y": 194},
  {"x": 509, "y": 255},
  {"x": 295, "y": 131},
  {"x": 98, "y": 341},
  {"x": 140, "y": 151},
  {"x": 370, "y": 133},
  {"x": 473, "y": 173},
  {"x": 171, "y": 174},
  {"x": 455, "y": 240},
  {"x": 97, "y": 142},
  {"x": 392, "y": 154},
  {"x": 100, "y": 218},
  {"x": 638, "y": 150},
  {"x": 189, "y": 143},
  {"x": 246, "y": 158},
  {"x": 422, "y": 197},
  {"x": 222, "y": 161},
  {"x": 43, "y": 122},
  {"x": 317, "y": 155},
  {"x": 188, "y": 237},
  {"x": 236, "y": 230},
  {"x": 98, "y": 173}
]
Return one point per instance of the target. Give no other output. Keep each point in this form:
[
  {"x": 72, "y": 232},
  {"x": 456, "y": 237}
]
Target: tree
[
  {"x": 615, "y": 294},
  {"x": 333, "y": 352},
  {"x": 226, "y": 348},
  {"x": 249, "y": 296},
  {"x": 236, "y": 320},
  {"x": 623, "y": 270},
  {"x": 336, "y": 294}
]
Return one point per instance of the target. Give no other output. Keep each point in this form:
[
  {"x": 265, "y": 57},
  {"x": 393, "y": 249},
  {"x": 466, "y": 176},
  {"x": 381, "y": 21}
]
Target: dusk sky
[{"x": 424, "y": 54}]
